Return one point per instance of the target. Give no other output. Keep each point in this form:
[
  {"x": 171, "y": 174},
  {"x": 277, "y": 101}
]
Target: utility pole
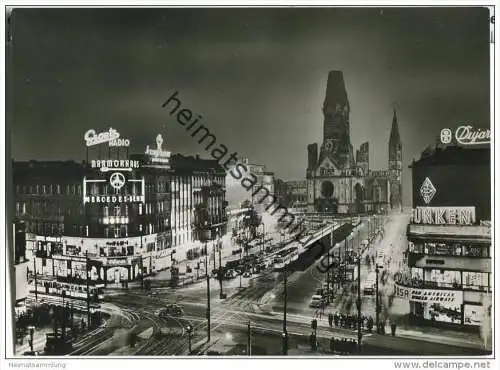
[
  {"x": 189, "y": 330},
  {"x": 249, "y": 337},
  {"x": 88, "y": 287},
  {"x": 377, "y": 308},
  {"x": 208, "y": 293},
  {"x": 329, "y": 272},
  {"x": 214, "y": 252},
  {"x": 345, "y": 258},
  {"x": 285, "y": 296},
  {"x": 263, "y": 238},
  {"x": 36, "y": 283},
  {"x": 358, "y": 303},
  {"x": 220, "y": 270},
  {"x": 142, "y": 273}
]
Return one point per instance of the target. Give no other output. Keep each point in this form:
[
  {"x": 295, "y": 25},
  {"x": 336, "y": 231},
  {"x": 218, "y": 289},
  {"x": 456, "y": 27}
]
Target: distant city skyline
[{"x": 257, "y": 76}]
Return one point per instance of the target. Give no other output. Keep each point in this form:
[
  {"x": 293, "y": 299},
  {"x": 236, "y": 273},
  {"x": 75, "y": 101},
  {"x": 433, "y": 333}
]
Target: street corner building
[
  {"x": 336, "y": 181},
  {"x": 447, "y": 274},
  {"x": 110, "y": 220}
]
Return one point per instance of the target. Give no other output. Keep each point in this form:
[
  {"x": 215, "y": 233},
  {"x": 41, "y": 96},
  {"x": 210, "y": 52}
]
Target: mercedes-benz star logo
[{"x": 117, "y": 180}]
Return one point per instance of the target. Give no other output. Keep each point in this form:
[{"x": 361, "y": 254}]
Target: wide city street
[{"x": 253, "y": 309}]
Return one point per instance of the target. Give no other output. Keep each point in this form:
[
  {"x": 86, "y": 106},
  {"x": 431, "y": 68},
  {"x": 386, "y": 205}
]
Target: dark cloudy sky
[{"x": 258, "y": 77}]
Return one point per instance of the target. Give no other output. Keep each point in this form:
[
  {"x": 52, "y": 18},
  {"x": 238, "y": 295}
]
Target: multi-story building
[
  {"x": 265, "y": 179},
  {"x": 336, "y": 181},
  {"x": 298, "y": 193},
  {"x": 121, "y": 216},
  {"x": 448, "y": 277},
  {"x": 281, "y": 192},
  {"x": 21, "y": 267},
  {"x": 200, "y": 181}
]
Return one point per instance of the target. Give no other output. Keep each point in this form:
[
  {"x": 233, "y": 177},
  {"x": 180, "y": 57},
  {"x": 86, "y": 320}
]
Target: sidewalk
[
  {"x": 38, "y": 341},
  {"x": 435, "y": 335}
]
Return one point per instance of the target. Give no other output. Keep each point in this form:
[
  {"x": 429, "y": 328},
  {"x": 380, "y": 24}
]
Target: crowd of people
[{"x": 340, "y": 320}]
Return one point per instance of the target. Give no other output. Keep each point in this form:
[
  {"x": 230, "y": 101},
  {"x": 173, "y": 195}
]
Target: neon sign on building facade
[
  {"x": 444, "y": 215},
  {"x": 112, "y": 137},
  {"x": 112, "y": 187},
  {"x": 158, "y": 155},
  {"x": 466, "y": 135}
]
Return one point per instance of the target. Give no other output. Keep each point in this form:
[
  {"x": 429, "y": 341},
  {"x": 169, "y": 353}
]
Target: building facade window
[{"x": 475, "y": 280}]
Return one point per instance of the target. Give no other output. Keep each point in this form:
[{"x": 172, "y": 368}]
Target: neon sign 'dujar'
[{"x": 466, "y": 135}]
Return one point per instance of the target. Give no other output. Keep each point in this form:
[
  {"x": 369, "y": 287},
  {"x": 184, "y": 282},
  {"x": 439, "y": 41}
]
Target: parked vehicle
[
  {"x": 171, "y": 310},
  {"x": 230, "y": 274},
  {"x": 316, "y": 301}
]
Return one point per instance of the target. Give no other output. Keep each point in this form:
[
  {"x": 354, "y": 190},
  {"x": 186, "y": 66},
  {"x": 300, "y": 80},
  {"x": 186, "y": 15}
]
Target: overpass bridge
[{"x": 314, "y": 244}]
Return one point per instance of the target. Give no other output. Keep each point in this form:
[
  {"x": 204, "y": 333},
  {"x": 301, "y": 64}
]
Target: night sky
[{"x": 257, "y": 76}]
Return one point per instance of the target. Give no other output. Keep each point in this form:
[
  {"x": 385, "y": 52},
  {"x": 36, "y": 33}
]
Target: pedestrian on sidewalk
[
  {"x": 393, "y": 329},
  {"x": 330, "y": 319}
]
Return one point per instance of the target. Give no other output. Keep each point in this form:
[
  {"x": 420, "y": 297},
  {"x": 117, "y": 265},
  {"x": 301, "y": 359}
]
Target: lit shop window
[
  {"x": 476, "y": 251},
  {"x": 441, "y": 249},
  {"x": 443, "y": 278},
  {"x": 475, "y": 280}
]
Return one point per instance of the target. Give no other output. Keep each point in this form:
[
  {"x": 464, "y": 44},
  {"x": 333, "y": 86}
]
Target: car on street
[
  {"x": 247, "y": 274},
  {"x": 171, "y": 310},
  {"x": 316, "y": 301},
  {"x": 256, "y": 269},
  {"x": 230, "y": 274}
]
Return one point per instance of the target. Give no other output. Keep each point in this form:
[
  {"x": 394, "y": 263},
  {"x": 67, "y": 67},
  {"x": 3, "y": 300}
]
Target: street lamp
[
  {"x": 219, "y": 246},
  {"x": 249, "y": 339},
  {"x": 284, "y": 309},
  {"x": 32, "y": 333},
  {"x": 88, "y": 286},
  {"x": 329, "y": 272},
  {"x": 208, "y": 292},
  {"x": 262, "y": 247},
  {"x": 284, "y": 342},
  {"x": 358, "y": 303},
  {"x": 189, "y": 330},
  {"x": 36, "y": 283},
  {"x": 377, "y": 305},
  {"x": 345, "y": 254}
]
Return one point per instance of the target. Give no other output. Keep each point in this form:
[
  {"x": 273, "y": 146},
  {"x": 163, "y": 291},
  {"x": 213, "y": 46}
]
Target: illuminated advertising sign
[
  {"x": 158, "y": 155},
  {"x": 466, "y": 135},
  {"x": 114, "y": 199},
  {"x": 116, "y": 261},
  {"x": 427, "y": 190},
  {"x": 108, "y": 165},
  {"x": 111, "y": 136},
  {"x": 449, "y": 297},
  {"x": 444, "y": 215},
  {"x": 116, "y": 181}
]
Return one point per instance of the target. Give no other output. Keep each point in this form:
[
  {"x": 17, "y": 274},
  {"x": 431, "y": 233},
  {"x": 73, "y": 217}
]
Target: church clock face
[{"x": 329, "y": 145}]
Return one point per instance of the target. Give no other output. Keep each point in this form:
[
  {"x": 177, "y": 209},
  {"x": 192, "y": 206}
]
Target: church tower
[
  {"x": 336, "y": 132},
  {"x": 396, "y": 165}
]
